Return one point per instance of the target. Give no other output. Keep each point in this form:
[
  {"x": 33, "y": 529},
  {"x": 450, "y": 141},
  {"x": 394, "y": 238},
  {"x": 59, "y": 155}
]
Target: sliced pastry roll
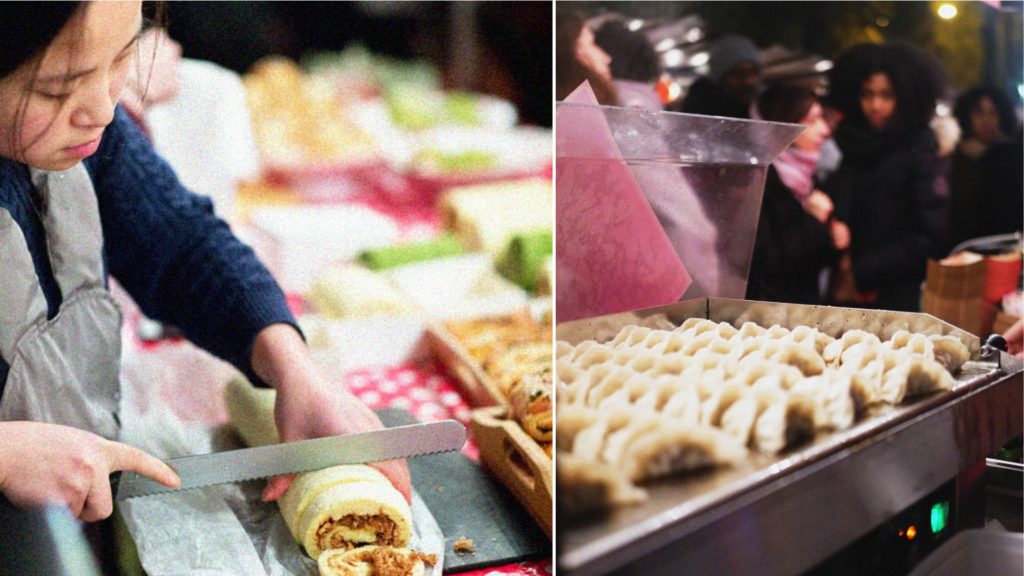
[
  {"x": 354, "y": 514},
  {"x": 308, "y": 486},
  {"x": 531, "y": 406},
  {"x": 374, "y": 561}
]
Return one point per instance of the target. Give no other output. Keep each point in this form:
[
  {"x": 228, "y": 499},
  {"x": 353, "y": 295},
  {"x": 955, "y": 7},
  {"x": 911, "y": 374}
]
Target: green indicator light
[{"x": 940, "y": 516}]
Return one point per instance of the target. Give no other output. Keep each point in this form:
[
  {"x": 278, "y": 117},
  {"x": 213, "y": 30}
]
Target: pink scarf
[{"x": 796, "y": 169}]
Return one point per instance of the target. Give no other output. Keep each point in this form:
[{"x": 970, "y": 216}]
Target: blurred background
[
  {"x": 979, "y": 42},
  {"x": 498, "y": 48}
]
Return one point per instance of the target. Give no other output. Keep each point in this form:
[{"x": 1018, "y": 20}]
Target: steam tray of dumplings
[{"x": 669, "y": 412}]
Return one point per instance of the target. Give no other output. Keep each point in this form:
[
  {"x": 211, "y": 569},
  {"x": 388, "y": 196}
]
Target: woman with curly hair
[{"x": 891, "y": 186}]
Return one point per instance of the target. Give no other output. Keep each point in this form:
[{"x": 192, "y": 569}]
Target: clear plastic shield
[{"x": 701, "y": 176}]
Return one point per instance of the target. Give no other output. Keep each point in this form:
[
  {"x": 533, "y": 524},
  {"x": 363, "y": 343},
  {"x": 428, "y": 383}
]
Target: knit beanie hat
[{"x": 728, "y": 52}]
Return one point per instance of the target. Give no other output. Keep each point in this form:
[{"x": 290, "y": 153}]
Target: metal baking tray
[{"x": 786, "y": 513}]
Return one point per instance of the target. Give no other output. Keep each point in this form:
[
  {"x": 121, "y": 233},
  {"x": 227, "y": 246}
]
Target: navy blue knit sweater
[{"x": 180, "y": 263}]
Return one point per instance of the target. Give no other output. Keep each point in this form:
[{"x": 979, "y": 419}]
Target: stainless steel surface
[
  {"x": 1005, "y": 477},
  {"x": 784, "y": 514},
  {"x": 303, "y": 456}
]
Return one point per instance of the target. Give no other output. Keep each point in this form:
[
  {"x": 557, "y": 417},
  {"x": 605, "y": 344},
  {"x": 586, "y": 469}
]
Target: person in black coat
[
  {"x": 732, "y": 83},
  {"x": 891, "y": 187},
  {"x": 985, "y": 179},
  {"x": 796, "y": 234}
]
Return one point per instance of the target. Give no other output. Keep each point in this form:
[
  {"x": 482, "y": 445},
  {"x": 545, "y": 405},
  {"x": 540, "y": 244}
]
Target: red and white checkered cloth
[{"x": 420, "y": 390}]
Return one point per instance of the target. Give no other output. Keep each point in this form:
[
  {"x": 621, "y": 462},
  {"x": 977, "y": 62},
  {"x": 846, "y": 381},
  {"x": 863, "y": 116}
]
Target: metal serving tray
[{"x": 786, "y": 513}]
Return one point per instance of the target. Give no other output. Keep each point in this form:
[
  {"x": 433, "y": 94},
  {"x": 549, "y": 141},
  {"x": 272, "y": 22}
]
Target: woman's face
[
  {"x": 985, "y": 121},
  {"x": 592, "y": 56},
  {"x": 817, "y": 131},
  {"x": 75, "y": 91},
  {"x": 877, "y": 100}
]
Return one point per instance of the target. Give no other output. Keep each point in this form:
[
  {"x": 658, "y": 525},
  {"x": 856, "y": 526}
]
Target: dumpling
[
  {"x": 950, "y": 352},
  {"x": 787, "y": 420},
  {"x": 669, "y": 450}
]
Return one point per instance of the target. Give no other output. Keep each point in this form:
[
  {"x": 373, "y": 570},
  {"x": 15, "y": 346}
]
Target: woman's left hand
[
  {"x": 819, "y": 205},
  {"x": 307, "y": 407}
]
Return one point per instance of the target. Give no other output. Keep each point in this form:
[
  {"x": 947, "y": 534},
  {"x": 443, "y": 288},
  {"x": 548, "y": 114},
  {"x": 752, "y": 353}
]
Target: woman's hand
[
  {"x": 840, "y": 235},
  {"x": 307, "y": 407},
  {"x": 819, "y": 205},
  {"x": 47, "y": 463}
]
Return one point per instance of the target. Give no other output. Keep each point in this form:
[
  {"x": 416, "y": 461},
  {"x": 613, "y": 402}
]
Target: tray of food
[
  {"x": 516, "y": 447},
  {"x": 682, "y": 422},
  {"x": 487, "y": 356}
]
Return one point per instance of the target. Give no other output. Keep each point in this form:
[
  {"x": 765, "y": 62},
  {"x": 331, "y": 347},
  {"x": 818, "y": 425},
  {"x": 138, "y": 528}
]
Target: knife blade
[{"x": 294, "y": 457}]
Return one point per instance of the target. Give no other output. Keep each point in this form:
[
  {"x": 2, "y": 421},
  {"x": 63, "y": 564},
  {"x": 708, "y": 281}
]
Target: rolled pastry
[
  {"x": 531, "y": 406},
  {"x": 337, "y": 507},
  {"x": 351, "y": 291},
  {"x": 308, "y": 486},
  {"x": 486, "y": 216},
  {"x": 252, "y": 412},
  {"x": 355, "y": 514},
  {"x": 374, "y": 561}
]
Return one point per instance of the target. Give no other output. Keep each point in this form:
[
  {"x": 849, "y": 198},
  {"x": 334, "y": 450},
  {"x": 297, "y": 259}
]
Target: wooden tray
[
  {"x": 478, "y": 388},
  {"x": 516, "y": 460}
]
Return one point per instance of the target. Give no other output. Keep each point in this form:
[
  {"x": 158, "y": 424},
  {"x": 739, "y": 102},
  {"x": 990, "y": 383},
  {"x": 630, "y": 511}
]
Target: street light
[{"x": 947, "y": 11}]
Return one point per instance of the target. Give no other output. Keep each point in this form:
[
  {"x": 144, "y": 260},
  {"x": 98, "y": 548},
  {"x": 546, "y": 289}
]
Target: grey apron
[{"x": 64, "y": 370}]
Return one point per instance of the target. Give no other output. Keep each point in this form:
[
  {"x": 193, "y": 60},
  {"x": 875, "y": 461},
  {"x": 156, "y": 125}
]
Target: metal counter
[{"x": 786, "y": 513}]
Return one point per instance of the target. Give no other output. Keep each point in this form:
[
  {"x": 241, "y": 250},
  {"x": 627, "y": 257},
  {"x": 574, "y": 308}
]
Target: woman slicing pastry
[{"x": 83, "y": 196}]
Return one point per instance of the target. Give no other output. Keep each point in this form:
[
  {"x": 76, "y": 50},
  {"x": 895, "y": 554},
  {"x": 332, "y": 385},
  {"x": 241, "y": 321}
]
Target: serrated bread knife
[{"x": 294, "y": 457}]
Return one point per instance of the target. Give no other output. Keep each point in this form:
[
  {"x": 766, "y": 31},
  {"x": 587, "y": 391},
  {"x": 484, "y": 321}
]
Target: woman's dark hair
[
  {"x": 633, "y": 57},
  {"x": 569, "y": 71},
  {"x": 28, "y": 28},
  {"x": 786, "y": 102},
  {"x": 918, "y": 80},
  {"x": 969, "y": 100}
]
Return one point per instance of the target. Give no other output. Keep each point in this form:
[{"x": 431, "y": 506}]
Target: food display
[
  {"x": 351, "y": 291},
  {"x": 659, "y": 400},
  {"x": 337, "y": 508},
  {"x": 486, "y": 217},
  {"x": 298, "y": 118},
  {"x": 443, "y": 246},
  {"x": 530, "y": 399},
  {"x": 504, "y": 348},
  {"x": 525, "y": 259},
  {"x": 413, "y": 108},
  {"x": 505, "y": 362}
]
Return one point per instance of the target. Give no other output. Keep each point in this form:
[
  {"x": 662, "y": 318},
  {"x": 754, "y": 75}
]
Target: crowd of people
[{"x": 876, "y": 185}]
